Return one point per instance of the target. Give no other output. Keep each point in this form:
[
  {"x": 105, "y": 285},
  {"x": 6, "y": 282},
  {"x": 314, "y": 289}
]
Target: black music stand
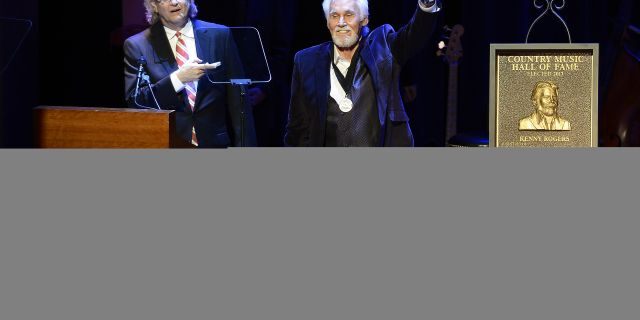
[{"x": 242, "y": 57}]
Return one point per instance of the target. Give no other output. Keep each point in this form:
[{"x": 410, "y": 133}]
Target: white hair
[
  {"x": 153, "y": 17},
  {"x": 363, "y": 6}
]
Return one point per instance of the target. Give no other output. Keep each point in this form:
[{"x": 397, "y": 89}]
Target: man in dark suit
[
  {"x": 181, "y": 55},
  {"x": 346, "y": 92}
]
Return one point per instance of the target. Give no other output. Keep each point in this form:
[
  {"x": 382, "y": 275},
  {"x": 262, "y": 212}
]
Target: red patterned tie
[{"x": 182, "y": 56}]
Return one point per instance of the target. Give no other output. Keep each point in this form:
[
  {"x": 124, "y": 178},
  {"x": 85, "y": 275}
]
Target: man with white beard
[
  {"x": 545, "y": 117},
  {"x": 345, "y": 93}
]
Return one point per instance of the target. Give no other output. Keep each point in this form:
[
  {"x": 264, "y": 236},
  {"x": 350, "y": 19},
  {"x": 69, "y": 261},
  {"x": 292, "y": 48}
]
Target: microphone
[
  {"x": 141, "y": 79},
  {"x": 142, "y": 62}
]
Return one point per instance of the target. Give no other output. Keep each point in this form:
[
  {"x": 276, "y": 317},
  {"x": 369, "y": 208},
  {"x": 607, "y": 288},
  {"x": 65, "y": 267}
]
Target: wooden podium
[{"x": 77, "y": 127}]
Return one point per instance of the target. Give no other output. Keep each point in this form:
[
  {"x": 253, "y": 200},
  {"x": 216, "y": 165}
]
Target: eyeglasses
[{"x": 169, "y": 1}]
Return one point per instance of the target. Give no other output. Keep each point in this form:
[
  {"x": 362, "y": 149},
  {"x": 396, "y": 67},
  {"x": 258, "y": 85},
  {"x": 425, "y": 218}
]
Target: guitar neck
[{"x": 452, "y": 102}]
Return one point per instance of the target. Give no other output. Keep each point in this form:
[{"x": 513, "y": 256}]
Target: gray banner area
[{"x": 319, "y": 234}]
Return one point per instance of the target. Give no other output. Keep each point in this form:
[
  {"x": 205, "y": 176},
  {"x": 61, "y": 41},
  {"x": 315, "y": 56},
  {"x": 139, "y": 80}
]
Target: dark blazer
[
  {"x": 384, "y": 51},
  {"x": 217, "y": 112}
]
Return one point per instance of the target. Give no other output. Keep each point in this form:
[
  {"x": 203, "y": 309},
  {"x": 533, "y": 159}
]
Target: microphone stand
[
  {"x": 143, "y": 79},
  {"x": 141, "y": 63}
]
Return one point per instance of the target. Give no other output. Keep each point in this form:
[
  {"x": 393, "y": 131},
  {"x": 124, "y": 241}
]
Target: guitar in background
[{"x": 451, "y": 53}]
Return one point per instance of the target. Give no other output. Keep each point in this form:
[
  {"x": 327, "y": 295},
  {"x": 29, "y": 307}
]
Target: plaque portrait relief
[
  {"x": 545, "y": 116},
  {"x": 543, "y": 95}
]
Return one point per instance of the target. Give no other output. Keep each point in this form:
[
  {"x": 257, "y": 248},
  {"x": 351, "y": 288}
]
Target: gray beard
[{"x": 344, "y": 43}]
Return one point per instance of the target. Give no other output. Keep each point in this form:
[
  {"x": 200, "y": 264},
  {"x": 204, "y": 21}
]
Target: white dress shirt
[{"x": 190, "y": 40}]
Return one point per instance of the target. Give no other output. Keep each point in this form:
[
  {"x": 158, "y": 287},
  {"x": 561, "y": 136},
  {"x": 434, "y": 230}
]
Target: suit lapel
[
  {"x": 162, "y": 48},
  {"x": 321, "y": 67},
  {"x": 203, "y": 42},
  {"x": 369, "y": 59},
  {"x": 203, "y": 49}
]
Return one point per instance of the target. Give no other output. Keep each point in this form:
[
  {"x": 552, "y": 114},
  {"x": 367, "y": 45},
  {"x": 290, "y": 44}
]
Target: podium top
[{"x": 98, "y": 109}]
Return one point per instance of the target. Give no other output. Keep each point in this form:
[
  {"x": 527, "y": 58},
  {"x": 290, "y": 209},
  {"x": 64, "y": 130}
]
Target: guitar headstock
[{"x": 452, "y": 49}]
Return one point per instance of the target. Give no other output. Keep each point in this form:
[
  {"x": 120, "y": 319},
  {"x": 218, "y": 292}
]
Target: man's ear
[{"x": 364, "y": 22}]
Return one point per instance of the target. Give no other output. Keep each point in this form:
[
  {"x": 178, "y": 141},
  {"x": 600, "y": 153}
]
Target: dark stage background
[{"x": 73, "y": 57}]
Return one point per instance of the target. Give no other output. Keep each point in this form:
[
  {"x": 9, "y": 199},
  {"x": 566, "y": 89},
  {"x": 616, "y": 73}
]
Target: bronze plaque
[{"x": 544, "y": 95}]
